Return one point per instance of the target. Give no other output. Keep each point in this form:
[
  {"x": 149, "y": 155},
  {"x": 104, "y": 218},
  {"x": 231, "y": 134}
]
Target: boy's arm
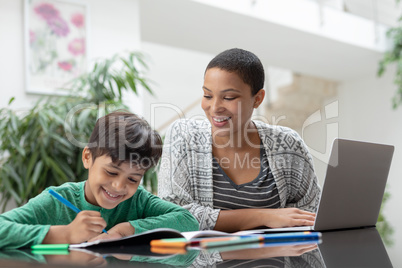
[
  {"x": 25, "y": 226},
  {"x": 45, "y": 220},
  {"x": 146, "y": 212},
  {"x": 157, "y": 213}
]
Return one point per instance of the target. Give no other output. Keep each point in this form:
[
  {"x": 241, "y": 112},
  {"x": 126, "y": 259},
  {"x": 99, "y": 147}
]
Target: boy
[{"x": 121, "y": 148}]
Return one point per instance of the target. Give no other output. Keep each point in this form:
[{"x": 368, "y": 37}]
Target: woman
[{"x": 233, "y": 173}]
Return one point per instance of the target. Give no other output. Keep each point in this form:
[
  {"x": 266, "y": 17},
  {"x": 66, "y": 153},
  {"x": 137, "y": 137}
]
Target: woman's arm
[
  {"x": 304, "y": 193},
  {"x": 175, "y": 182}
]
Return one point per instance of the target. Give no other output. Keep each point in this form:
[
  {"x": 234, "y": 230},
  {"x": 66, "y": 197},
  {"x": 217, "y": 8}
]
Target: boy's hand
[
  {"x": 86, "y": 225},
  {"x": 118, "y": 231}
]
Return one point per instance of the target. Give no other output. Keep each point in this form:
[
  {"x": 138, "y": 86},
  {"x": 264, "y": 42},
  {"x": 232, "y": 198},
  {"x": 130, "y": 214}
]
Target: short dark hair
[
  {"x": 126, "y": 137},
  {"x": 242, "y": 62}
]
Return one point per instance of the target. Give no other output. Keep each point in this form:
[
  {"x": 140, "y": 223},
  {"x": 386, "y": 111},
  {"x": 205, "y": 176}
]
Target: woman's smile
[{"x": 220, "y": 121}]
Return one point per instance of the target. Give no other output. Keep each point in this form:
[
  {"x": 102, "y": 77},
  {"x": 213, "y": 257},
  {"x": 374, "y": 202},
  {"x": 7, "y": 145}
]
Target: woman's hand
[
  {"x": 118, "y": 231},
  {"x": 246, "y": 219},
  {"x": 287, "y": 217}
]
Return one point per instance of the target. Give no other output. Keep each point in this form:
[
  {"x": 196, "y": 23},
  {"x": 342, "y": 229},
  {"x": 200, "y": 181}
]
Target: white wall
[
  {"x": 12, "y": 54},
  {"x": 366, "y": 114},
  {"x": 178, "y": 75},
  {"x": 114, "y": 27}
]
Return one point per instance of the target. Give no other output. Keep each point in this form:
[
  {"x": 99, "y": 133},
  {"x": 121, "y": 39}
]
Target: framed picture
[{"x": 56, "y": 42}]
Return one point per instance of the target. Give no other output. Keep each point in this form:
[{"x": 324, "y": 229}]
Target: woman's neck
[{"x": 241, "y": 140}]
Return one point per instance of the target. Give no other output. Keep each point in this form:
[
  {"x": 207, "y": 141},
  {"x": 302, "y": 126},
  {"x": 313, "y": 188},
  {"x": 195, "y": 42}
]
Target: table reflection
[
  {"x": 354, "y": 248},
  {"x": 351, "y": 248}
]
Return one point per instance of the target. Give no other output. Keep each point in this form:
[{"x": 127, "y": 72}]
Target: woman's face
[{"x": 228, "y": 102}]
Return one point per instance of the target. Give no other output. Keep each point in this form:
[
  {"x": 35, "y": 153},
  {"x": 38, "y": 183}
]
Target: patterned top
[
  {"x": 185, "y": 176},
  {"x": 258, "y": 193}
]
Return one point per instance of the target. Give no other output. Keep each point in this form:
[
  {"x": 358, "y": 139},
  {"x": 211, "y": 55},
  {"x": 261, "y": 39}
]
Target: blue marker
[
  {"x": 67, "y": 203},
  {"x": 291, "y": 236}
]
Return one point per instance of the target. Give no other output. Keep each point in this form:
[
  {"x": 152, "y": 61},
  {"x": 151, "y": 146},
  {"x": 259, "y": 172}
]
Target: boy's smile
[{"x": 109, "y": 184}]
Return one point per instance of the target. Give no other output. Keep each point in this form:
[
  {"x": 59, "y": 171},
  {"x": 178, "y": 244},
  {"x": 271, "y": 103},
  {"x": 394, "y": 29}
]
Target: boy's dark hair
[
  {"x": 242, "y": 62},
  {"x": 125, "y": 137}
]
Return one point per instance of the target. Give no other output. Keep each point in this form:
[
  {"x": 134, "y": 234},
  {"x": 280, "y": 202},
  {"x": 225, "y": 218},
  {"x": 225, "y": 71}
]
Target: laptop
[{"x": 353, "y": 189}]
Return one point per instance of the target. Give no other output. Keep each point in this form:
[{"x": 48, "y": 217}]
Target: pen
[{"x": 67, "y": 203}]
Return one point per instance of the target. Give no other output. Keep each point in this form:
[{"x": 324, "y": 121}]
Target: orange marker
[{"x": 182, "y": 242}]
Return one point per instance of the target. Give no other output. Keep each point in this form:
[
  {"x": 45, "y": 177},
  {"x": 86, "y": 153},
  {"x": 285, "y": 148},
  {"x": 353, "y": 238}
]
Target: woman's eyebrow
[{"x": 225, "y": 90}]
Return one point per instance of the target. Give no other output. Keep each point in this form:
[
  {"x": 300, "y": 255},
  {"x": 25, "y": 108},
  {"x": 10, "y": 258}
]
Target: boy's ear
[
  {"x": 86, "y": 158},
  {"x": 259, "y": 97}
]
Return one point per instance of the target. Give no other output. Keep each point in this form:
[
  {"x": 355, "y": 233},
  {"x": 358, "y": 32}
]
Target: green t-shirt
[{"x": 29, "y": 224}]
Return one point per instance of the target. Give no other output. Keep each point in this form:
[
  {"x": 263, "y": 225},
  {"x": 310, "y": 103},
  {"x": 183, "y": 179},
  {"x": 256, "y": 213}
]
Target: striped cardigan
[{"x": 185, "y": 172}]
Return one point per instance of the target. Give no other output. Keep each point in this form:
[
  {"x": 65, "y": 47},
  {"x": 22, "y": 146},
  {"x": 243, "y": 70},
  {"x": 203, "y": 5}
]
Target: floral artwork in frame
[{"x": 56, "y": 44}]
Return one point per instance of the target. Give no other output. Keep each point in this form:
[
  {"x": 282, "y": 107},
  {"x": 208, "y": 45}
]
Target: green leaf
[
  {"x": 60, "y": 177},
  {"x": 65, "y": 169},
  {"x": 32, "y": 161},
  {"x": 130, "y": 80},
  {"x": 55, "y": 117},
  {"x": 17, "y": 146},
  {"x": 14, "y": 121},
  {"x": 61, "y": 140},
  {"x": 34, "y": 180},
  {"x": 37, "y": 172},
  {"x": 11, "y": 100},
  {"x": 11, "y": 191},
  {"x": 13, "y": 174}
]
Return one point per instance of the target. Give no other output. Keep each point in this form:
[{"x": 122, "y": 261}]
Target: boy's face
[{"x": 109, "y": 184}]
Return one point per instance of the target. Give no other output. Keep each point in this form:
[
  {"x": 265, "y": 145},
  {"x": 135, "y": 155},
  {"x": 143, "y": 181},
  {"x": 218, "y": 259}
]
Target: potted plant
[{"x": 36, "y": 148}]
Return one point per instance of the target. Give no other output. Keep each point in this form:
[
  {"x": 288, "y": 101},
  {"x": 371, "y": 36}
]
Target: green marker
[{"x": 50, "y": 246}]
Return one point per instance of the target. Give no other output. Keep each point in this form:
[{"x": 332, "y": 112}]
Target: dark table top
[{"x": 347, "y": 248}]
